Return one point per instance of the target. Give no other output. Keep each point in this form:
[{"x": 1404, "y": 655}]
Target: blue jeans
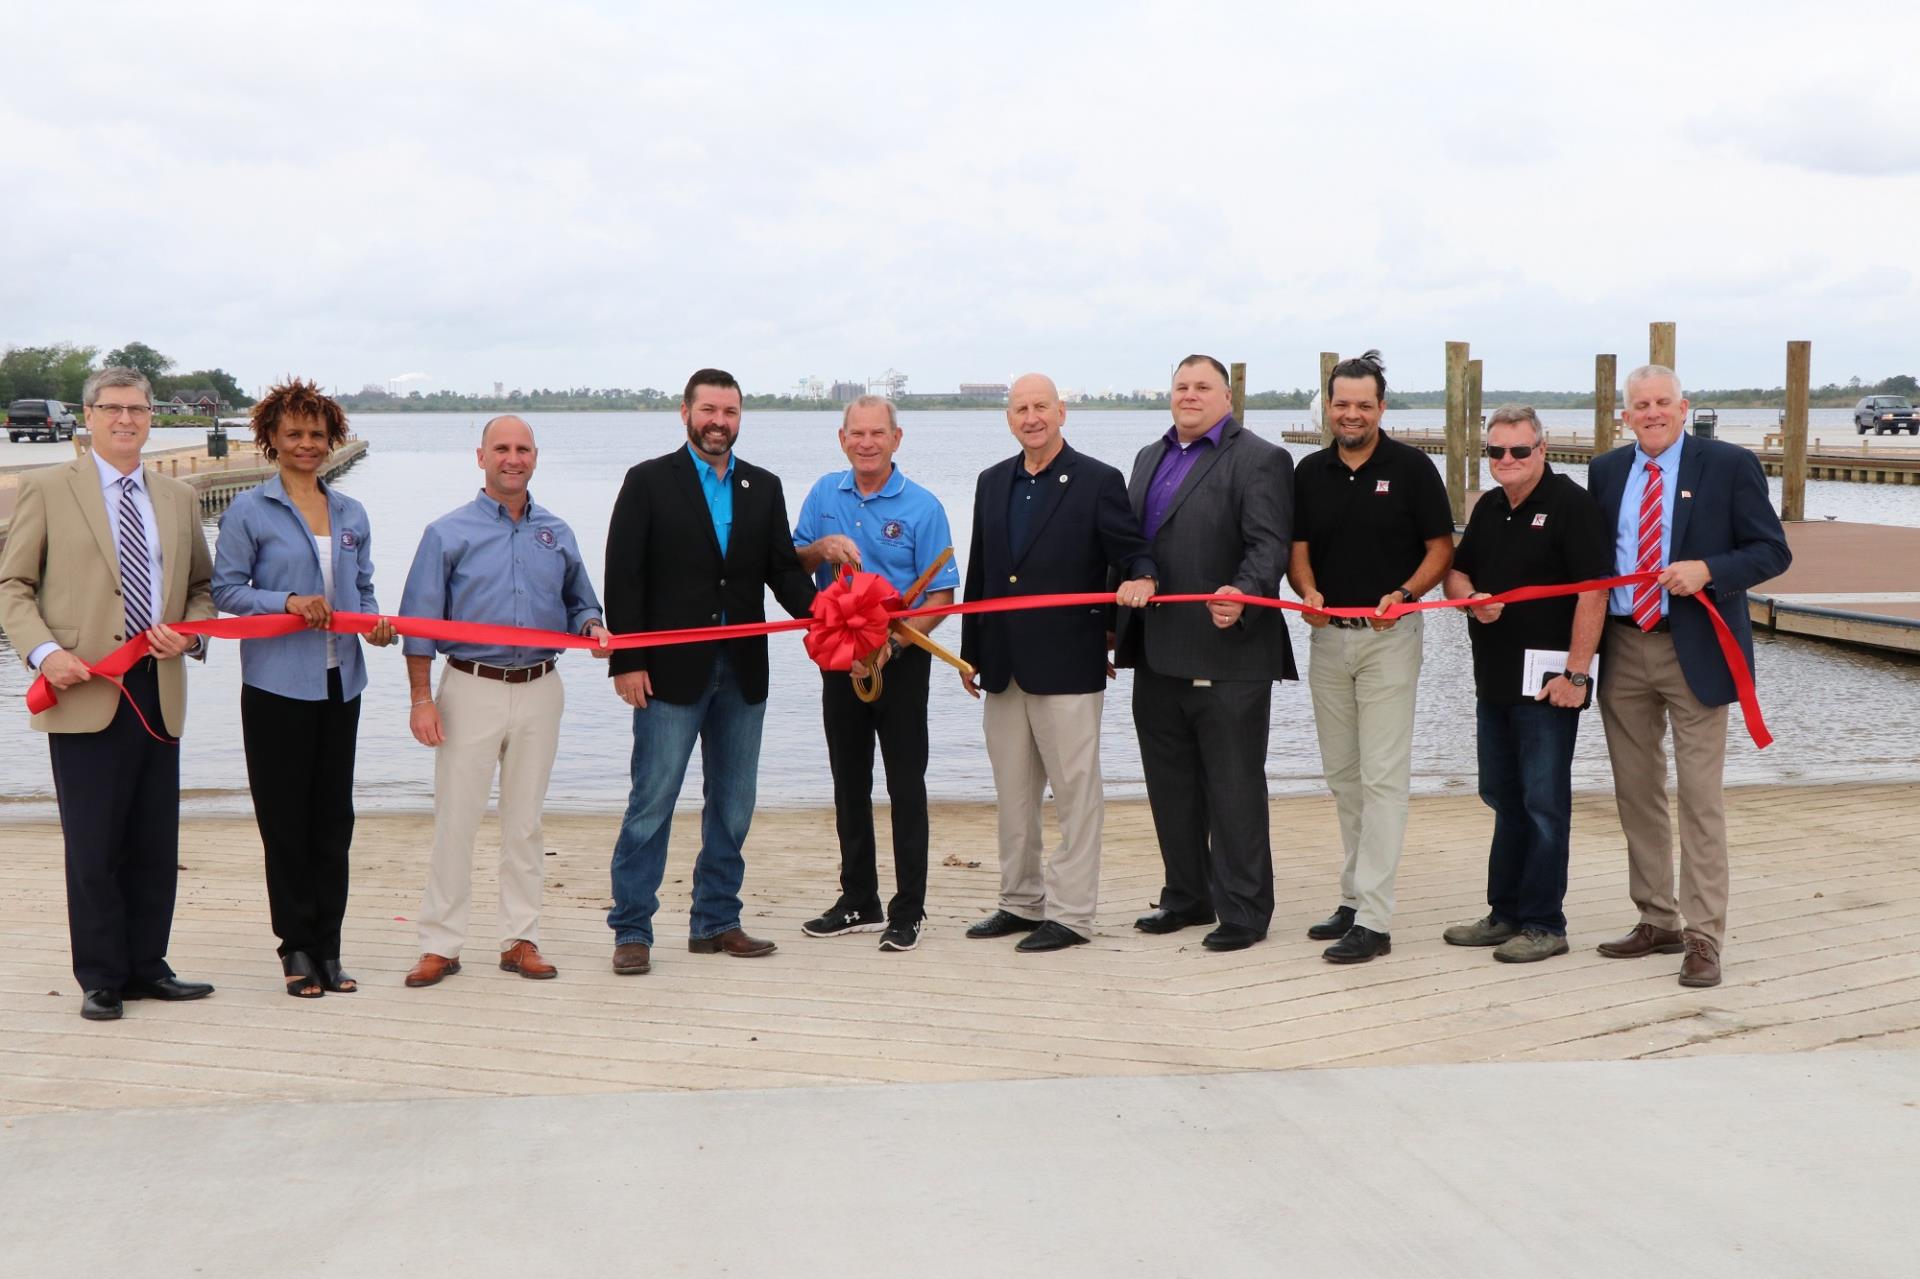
[
  {"x": 1526, "y": 778},
  {"x": 663, "y": 734}
]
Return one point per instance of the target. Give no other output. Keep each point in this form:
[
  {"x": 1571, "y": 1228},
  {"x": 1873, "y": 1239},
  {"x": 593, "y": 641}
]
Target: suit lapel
[
  {"x": 83, "y": 476},
  {"x": 1692, "y": 459},
  {"x": 1050, "y": 497},
  {"x": 993, "y": 514},
  {"x": 687, "y": 480},
  {"x": 1206, "y": 462},
  {"x": 166, "y": 519},
  {"x": 1143, "y": 477}
]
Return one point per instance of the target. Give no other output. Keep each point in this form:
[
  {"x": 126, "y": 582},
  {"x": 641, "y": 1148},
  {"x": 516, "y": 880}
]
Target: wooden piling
[
  {"x": 1606, "y": 369},
  {"x": 1457, "y": 430},
  {"x": 1476, "y": 426},
  {"x": 1237, "y": 379},
  {"x": 1793, "y": 445},
  {"x": 1660, "y": 343},
  {"x": 1327, "y": 360}
]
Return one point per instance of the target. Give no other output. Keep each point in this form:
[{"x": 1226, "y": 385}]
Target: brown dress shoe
[
  {"x": 734, "y": 942},
  {"x": 523, "y": 957},
  {"x": 1644, "y": 940},
  {"x": 431, "y": 969},
  {"x": 631, "y": 958},
  {"x": 1701, "y": 967}
]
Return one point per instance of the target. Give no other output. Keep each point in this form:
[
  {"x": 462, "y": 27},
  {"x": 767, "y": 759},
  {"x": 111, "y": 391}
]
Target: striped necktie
[
  {"x": 1646, "y": 596},
  {"x": 136, "y": 565}
]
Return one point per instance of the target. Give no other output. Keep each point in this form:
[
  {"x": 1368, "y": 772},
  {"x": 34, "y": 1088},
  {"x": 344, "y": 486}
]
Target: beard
[
  {"x": 1364, "y": 440},
  {"x": 714, "y": 438}
]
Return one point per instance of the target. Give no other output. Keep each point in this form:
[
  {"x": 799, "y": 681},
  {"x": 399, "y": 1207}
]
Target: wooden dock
[
  {"x": 1852, "y": 583},
  {"x": 1823, "y": 952}
]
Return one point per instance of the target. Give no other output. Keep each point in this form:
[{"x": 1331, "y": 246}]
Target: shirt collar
[
  {"x": 895, "y": 485},
  {"x": 1669, "y": 460},
  {"x": 704, "y": 468},
  {"x": 275, "y": 488},
  {"x": 110, "y": 477},
  {"x": 496, "y": 509},
  {"x": 1212, "y": 437}
]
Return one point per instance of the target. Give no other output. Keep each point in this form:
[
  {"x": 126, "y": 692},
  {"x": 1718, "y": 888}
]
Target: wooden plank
[
  {"x": 1237, "y": 379},
  {"x": 1661, "y": 341},
  {"x": 1456, "y": 445},
  {"x": 1793, "y": 464},
  {"x": 1327, "y": 360},
  {"x": 1476, "y": 426},
  {"x": 1605, "y": 383}
]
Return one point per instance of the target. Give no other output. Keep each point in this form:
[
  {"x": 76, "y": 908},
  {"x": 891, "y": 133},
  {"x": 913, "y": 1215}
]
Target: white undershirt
[{"x": 323, "y": 547}]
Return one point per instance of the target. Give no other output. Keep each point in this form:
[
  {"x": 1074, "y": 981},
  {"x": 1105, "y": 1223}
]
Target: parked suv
[
  {"x": 48, "y": 420},
  {"x": 1883, "y": 413}
]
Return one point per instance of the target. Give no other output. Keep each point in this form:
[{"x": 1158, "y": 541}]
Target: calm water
[{"x": 1837, "y": 714}]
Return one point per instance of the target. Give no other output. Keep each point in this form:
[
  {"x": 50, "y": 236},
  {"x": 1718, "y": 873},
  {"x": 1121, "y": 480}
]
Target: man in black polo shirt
[
  {"x": 1371, "y": 528},
  {"x": 1538, "y": 529}
]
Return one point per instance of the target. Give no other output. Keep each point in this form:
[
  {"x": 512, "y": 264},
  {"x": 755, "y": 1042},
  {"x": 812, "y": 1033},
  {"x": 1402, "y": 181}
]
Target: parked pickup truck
[
  {"x": 48, "y": 420},
  {"x": 1883, "y": 413}
]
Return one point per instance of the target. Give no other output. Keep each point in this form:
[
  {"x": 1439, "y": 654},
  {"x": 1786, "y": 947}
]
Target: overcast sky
[{"x": 613, "y": 195}]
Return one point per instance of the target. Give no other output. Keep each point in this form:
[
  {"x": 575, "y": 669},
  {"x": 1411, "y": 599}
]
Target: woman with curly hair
[{"x": 296, "y": 545}]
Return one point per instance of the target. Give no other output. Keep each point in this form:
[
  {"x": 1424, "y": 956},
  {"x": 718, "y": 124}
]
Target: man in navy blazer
[
  {"x": 1048, "y": 520},
  {"x": 1698, "y": 511}
]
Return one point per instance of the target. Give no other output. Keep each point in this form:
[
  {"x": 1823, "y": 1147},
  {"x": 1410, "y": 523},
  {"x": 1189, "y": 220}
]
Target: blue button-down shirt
[
  {"x": 718, "y": 491},
  {"x": 1176, "y": 463},
  {"x": 265, "y": 553},
  {"x": 479, "y": 564},
  {"x": 900, "y": 530},
  {"x": 1626, "y": 536}
]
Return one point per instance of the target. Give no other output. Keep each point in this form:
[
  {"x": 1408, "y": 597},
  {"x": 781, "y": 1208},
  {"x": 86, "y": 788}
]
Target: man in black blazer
[
  {"x": 696, "y": 539},
  {"x": 1048, "y": 520},
  {"x": 1698, "y": 511},
  {"x": 1215, "y": 502}
]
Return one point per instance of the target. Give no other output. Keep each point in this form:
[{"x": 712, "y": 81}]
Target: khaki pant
[
  {"x": 1363, "y": 685},
  {"x": 1642, "y": 690},
  {"x": 1033, "y": 740},
  {"x": 517, "y": 727}
]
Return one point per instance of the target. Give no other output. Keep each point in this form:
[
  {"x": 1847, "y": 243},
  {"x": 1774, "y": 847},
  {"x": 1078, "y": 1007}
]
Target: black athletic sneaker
[
  {"x": 901, "y": 935},
  {"x": 840, "y": 920}
]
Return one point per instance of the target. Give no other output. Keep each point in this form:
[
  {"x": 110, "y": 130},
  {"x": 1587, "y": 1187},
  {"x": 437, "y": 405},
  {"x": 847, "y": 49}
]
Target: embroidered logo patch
[
  {"x": 891, "y": 530},
  {"x": 1540, "y": 520},
  {"x": 347, "y": 540},
  {"x": 1380, "y": 486},
  {"x": 546, "y": 538}
]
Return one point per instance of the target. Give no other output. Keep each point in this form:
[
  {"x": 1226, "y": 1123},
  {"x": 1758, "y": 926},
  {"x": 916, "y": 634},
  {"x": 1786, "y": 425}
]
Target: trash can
[
  {"x": 217, "y": 441},
  {"x": 1704, "y": 422}
]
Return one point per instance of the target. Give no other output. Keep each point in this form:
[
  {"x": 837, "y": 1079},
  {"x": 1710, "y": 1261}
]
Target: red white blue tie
[{"x": 1646, "y": 596}]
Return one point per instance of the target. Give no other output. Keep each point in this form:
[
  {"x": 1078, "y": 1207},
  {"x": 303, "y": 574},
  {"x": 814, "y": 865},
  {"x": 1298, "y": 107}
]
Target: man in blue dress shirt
[
  {"x": 504, "y": 560},
  {"x": 873, "y": 517}
]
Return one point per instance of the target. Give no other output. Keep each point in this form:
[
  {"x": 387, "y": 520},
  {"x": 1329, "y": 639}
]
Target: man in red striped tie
[{"x": 1697, "y": 512}]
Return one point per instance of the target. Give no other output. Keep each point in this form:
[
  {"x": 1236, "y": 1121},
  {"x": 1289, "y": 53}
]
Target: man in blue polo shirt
[{"x": 874, "y": 518}]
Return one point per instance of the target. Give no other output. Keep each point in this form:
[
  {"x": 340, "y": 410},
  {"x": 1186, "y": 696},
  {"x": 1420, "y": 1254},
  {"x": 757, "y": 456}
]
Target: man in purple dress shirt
[{"x": 1216, "y": 504}]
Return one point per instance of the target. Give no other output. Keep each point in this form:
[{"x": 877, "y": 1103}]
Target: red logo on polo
[
  {"x": 1380, "y": 486},
  {"x": 1540, "y": 520}
]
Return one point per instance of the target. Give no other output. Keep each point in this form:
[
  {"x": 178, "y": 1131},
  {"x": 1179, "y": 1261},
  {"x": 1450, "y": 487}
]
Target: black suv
[
  {"x": 1883, "y": 413},
  {"x": 48, "y": 420}
]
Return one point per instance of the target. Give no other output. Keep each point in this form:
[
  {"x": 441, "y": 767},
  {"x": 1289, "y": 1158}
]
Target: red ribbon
[{"x": 852, "y": 618}]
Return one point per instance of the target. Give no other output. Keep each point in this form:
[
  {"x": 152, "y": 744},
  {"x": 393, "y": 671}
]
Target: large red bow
[{"x": 850, "y": 620}]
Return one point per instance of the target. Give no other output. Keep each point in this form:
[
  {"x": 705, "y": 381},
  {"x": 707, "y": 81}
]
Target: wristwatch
[{"x": 1576, "y": 678}]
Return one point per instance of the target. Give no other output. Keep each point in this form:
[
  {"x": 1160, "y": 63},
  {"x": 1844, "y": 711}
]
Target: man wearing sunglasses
[{"x": 1538, "y": 529}]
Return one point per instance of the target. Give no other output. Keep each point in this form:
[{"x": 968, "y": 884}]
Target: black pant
[
  {"x": 300, "y": 767},
  {"x": 119, "y": 794},
  {"x": 899, "y": 719},
  {"x": 1204, "y": 752}
]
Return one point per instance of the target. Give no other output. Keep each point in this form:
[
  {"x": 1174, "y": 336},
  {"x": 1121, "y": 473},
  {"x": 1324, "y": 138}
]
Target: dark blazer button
[
  {"x": 723, "y": 581},
  {"x": 715, "y": 617},
  {"x": 1013, "y": 577}
]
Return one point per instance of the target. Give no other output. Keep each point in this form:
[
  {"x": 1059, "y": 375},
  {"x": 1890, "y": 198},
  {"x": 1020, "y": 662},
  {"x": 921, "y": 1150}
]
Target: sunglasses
[{"x": 1521, "y": 452}]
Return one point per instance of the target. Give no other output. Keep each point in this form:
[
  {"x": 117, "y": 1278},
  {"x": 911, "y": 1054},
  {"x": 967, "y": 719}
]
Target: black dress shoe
[
  {"x": 1231, "y": 937},
  {"x": 1358, "y": 946},
  {"x": 101, "y": 1005},
  {"x": 1002, "y": 924},
  {"x": 1334, "y": 925},
  {"x": 171, "y": 989},
  {"x": 1050, "y": 936},
  {"x": 1159, "y": 921}
]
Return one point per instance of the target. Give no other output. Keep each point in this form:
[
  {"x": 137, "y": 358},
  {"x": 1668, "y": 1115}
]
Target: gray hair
[
  {"x": 867, "y": 402},
  {"x": 114, "y": 375},
  {"x": 1646, "y": 371},
  {"x": 1514, "y": 415}
]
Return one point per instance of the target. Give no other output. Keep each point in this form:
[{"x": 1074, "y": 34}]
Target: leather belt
[
  {"x": 1660, "y": 627},
  {"x": 1349, "y": 623},
  {"x": 505, "y": 674}
]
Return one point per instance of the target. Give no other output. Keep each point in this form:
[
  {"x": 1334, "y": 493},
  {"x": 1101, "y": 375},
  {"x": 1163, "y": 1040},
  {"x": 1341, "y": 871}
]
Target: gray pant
[
  {"x": 1363, "y": 685},
  {"x": 1033, "y": 740}
]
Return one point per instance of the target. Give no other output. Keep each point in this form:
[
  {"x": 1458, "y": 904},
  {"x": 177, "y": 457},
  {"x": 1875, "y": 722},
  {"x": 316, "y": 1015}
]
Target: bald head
[
  {"x": 501, "y": 421},
  {"x": 1035, "y": 416},
  {"x": 1031, "y": 383}
]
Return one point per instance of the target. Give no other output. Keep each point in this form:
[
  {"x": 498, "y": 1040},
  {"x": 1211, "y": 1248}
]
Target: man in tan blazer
[{"x": 99, "y": 549}]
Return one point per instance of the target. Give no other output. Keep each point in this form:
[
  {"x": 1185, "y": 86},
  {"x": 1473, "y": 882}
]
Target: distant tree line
[
  {"x": 59, "y": 372},
  {"x": 1832, "y": 395}
]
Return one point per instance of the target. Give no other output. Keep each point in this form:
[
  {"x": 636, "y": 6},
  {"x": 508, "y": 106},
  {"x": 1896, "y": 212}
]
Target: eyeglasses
[
  {"x": 133, "y": 412},
  {"x": 1521, "y": 452}
]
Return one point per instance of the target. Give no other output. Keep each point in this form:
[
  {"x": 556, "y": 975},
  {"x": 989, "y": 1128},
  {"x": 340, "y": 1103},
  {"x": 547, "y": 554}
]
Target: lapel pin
[
  {"x": 745, "y": 483},
  {"x": 1063, "y": 479},
  {"x": 1686, "y": 492}
]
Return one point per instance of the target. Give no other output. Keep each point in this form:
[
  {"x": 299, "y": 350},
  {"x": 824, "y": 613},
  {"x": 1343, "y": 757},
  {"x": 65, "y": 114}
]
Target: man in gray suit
[{"x": 1216, "y": 504}]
